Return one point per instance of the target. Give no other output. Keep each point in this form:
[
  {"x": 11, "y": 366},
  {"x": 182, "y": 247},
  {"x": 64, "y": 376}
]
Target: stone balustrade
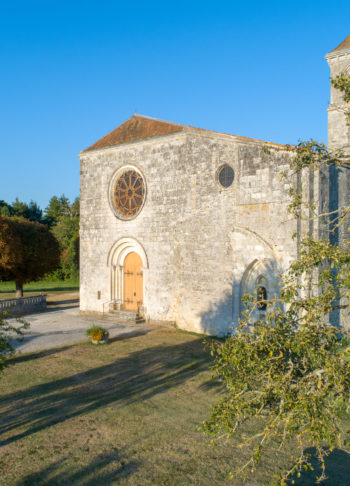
[{"x": 23, "y": 305}]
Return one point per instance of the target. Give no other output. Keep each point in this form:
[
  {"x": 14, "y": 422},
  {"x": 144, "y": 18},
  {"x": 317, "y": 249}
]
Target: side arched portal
[
  {"x": 127, "y": 261},
  {"x": 261, "y": 280},
  {"x": 258, "y": 265}
]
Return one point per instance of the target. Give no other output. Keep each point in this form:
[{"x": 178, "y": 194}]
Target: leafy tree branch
[
  {"x": 342, "y": 83},
  {"x": 288, "y": 372}
]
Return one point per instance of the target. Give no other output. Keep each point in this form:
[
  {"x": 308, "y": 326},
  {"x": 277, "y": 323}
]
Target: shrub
[
  {"x": 96, "y": 333},
  {"x": 7, "y": 333}
]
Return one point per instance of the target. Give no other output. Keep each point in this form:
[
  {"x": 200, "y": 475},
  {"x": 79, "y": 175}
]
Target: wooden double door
[{"x": 133, "y": 281}]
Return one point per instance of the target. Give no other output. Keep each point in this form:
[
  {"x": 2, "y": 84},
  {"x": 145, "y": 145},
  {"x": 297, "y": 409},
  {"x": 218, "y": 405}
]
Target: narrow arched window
[{"x": 261, "y": 297}]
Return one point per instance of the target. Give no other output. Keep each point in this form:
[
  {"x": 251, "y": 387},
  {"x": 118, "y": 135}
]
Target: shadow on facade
[
  {"x": 334, "y": 204},
  {"x": 57, "y": 474},
  {"x": 139, "y": 376},
  {"x": 222, "y": 316},
  {"x": 218, "y": 320}
]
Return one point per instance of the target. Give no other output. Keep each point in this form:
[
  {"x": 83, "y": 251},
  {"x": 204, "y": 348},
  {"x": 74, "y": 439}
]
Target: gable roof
[
  {"x": 140, "y": 127},
  {"x": 343, "y": 45},
  {"x": 136, "y": 128}
]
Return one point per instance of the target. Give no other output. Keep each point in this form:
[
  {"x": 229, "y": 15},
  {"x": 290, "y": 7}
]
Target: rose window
[{"x": 129, "y": 193}]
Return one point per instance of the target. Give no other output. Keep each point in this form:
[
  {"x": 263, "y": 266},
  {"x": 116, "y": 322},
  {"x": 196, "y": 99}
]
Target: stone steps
[{"x": 125, "y": 317}]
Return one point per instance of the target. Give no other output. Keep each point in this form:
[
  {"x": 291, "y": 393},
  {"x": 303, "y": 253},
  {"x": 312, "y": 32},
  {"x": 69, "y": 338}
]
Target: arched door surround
[
  {"x": 117, "y": 259},
  {"x": 260, "y": 280}
]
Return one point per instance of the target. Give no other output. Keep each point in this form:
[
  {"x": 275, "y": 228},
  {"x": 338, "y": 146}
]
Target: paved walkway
[{"x": 62, "y": 325}]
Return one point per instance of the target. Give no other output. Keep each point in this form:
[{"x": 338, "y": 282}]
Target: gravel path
[{"x": 62, "y": 325}]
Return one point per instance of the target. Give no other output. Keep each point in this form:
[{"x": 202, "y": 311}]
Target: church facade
[{"x": 178, "y": 223}]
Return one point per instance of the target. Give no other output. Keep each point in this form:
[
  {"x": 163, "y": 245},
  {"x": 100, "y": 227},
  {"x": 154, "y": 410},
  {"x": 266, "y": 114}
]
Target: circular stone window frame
[
  {"x": 111, "y": 189},
  {"x": 217, "y": 177}
]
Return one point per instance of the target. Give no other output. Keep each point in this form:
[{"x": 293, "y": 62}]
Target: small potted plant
[{"x": 97, "y": 334}]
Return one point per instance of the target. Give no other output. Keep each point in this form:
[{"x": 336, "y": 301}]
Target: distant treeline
[{"x": 62, "y": 217}]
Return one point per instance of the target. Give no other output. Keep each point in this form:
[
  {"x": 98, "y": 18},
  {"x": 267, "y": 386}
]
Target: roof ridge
[
  {"x": 191, "y": 127},
  {"x": 133, "y": 130},
  {"x": 160, "y": 120},
  {"x": 343, "y": 45}
]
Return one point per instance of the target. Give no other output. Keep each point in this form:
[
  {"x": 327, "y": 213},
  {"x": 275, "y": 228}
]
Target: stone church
[{"x": 178, "y": 222}]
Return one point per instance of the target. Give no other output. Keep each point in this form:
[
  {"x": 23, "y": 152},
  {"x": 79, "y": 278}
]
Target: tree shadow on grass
[
  {"x": 139, "y": 376},
  {"x": 337, "y": 470},
  {"x": 22, "y": 358},
  {"x": 212, "y": 384},
  {"x": 94, "y": 474}
]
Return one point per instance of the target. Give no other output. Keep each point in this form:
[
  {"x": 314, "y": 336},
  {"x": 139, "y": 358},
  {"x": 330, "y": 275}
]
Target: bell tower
[
  {"x": 338, "y": 128},
  {"x": 339, "y": 138},
  {"x": 338, "y": 187}
]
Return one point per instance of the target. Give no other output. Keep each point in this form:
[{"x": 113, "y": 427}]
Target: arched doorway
[
  {"x": 133, "y": 281},
  {"x": 118, "y": 257}
]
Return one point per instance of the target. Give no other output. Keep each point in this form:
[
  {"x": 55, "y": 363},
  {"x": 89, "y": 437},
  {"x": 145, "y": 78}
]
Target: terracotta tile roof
[
  {"x": 343, "y": 45},
  {"x": 136, "y": 128},
  {"x": 140, "y": 127}
]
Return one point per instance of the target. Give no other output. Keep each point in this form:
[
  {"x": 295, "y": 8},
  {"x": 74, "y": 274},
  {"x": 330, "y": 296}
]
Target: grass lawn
[
  {"x": 126, "y": 414},
  {"x": 8, "y": 289}
]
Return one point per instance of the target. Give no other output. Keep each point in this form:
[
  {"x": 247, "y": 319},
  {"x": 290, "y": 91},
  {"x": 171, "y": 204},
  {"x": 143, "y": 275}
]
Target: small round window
[
  {"x": 128, "y": 194},
  {"x": 226, "y": 176}
]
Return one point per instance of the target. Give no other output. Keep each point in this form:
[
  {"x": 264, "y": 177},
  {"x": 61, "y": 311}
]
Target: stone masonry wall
[
  {"x": 205, "y": 245},
  {"x": 338, "y": 129},
  {"x": 339, "y": 138}
]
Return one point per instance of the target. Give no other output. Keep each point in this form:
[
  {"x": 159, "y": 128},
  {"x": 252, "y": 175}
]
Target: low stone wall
[{"x": 23, "y": 305}]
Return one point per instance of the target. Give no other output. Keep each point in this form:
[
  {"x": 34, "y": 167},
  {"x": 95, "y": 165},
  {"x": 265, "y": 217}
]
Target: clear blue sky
[{"x": 73, "y": 71}]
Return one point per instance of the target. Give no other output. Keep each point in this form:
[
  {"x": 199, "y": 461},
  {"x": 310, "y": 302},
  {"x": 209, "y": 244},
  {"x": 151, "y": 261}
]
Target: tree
[
  {"x": 289, "y": 373},
  {"x": 57, "y": 208},
  {"x": 19, "y": 208},
  {"x": 28, "y": 251},
  {"x": 66, "y": 230},
  {"x": 29, "y": 211},
  {"x": 63, "y": 220},
  {"x": 5, "y": 209},
  {"x": 67, "y": 234},
  {"x": 75, "y": 208},
  {"x": 70, "y": 259},
  {"x": 34, "y": 212}
]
